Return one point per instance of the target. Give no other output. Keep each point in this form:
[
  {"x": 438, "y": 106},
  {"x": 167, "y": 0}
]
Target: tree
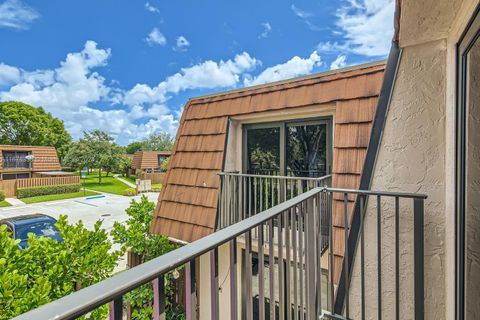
[
  {"x": 79, "y": 156},
  {"x": 103, "y": 152},
  {"x": 158, "y": 142},
  {"x": 125, "y": 165},
  {"x": 135, "y": 234},
  {"x": 48, "y": 270},
  {"x": 164, "y": 165},
  {"x": 133, "y": 147},
  {"x": 22, "y": 124}
]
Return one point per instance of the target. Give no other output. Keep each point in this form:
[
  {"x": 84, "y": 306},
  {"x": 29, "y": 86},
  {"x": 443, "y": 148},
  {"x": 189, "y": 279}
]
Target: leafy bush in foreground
[
  {"x": 135, "y": 234},
  {"x": 48, "y": 270}
]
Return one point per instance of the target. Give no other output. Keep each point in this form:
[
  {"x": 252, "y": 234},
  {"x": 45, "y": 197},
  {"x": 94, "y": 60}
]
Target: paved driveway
[{"x": 109, "y": 208}]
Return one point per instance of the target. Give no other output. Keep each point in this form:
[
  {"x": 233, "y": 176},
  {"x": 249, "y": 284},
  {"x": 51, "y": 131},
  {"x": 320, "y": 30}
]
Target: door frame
[
  {"x": 282, "y": 125},
  {"x": 465, "y": 43}
]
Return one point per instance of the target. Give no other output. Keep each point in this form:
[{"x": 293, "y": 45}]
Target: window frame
[
  {"x": 465, "y": 43},
  {"x": 282, "y": 125}
]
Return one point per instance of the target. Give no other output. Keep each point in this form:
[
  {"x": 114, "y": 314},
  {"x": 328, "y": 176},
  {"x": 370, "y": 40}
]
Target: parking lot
[{"x": 108, "y": 207}]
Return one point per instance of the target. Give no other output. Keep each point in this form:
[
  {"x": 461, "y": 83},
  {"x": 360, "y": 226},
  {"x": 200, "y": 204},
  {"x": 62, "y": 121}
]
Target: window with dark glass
[
  {"x": 307, "y": 150},
  {"x": 300, "y": 149},
  {"x": 263, "y": 151},
  {"x": 16, "y": 159}
]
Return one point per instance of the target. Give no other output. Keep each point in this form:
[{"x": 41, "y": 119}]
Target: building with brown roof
[
  {"x": 17, "y": 162},
  {"x": 149, "y": 161},
  {"x": 339, "y": 105},
  {"x": 409, "y": 248}
]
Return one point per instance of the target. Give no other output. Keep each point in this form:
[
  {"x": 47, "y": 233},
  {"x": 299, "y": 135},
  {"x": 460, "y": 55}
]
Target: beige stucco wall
[
  {"x": 417, "y": 154},
  {"x": 223, "y": 282},
  {"x": 411, "y": 159}
]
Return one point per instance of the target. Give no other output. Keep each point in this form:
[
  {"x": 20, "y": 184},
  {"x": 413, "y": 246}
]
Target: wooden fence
[
  {"x": 10, "y": 186},
  {"x": 48, "y": 181},
  {"x": 156, "y": 177}
]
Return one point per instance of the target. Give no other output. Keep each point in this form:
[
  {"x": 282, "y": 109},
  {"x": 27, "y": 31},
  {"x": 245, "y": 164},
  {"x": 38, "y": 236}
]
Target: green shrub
[
  {"x": 130, "y": 192},
  {"x": 2, "y": 195},
  {"x": 156, "y": 187},
  {"x": 48, "y": 270},
  {"x": 46, "y": 190}
]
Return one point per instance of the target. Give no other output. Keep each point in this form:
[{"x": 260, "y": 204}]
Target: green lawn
[
  {"x": 52, "y": 197},
  {"x": 4, "y": 204},
  {"x": 132, "y": 178},
  {"x": 109, "y": 184}
]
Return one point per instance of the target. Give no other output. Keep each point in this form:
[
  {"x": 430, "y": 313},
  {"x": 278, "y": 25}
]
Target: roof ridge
[
  {"x": 25, "y": 146},
  {"x": 290, "y": 80}
]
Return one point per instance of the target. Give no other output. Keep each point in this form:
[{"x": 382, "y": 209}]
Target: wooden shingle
[
  {"x": 44, "y": 158},
  {"x": 189, "y": 198}
]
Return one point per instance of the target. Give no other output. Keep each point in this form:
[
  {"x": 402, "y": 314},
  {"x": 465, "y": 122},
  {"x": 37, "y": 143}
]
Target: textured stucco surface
[
  {"x": 472, "y": 219},
  {"x": 411, "y": 158},
  {"x": 426, "y": 20}
]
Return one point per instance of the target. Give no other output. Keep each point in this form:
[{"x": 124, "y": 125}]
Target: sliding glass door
[
  {"x": 307, "y": 149},
  {"x": 263, "y": 150},
  {"x": 468, "y": 174},
  {"x": 299, "y": 149}
]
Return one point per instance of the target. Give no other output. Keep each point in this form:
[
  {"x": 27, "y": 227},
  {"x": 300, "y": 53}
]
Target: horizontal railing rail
[
  {"x": 281, "y": 272},
  {"x": 16, "y": 164},
  {"x": 243, "y": 195}
]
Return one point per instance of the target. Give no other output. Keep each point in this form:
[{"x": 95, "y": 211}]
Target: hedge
[
  {"x": 45, "y": 190},
  {"x": 2, "y": 195},
  {"x": 130, "y": 192}
]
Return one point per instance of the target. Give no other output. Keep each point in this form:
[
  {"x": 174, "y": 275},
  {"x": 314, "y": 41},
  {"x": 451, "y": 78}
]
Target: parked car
[{"x": 39, "y": 224}]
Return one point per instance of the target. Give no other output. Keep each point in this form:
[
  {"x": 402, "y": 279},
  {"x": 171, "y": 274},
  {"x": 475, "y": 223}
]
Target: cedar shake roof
[
  {"x": 188, "y": 201},
  {"x": 147, "y": 159},
  {"x": 44, "y": 158}
]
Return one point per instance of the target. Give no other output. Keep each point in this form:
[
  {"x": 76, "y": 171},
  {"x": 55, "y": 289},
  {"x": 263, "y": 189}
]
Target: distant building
[
  {"x": 149, "y": 161},
  {"x": 20, "y": 162}
]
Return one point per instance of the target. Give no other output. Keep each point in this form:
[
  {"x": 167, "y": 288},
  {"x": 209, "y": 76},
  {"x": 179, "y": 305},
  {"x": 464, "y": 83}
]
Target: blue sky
[{"x": 128, "y": 66}]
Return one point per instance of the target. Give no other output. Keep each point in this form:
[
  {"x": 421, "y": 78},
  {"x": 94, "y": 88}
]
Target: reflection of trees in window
[
  {"x": 307, "y": 150},
  {"x": 264, "y": 151}
]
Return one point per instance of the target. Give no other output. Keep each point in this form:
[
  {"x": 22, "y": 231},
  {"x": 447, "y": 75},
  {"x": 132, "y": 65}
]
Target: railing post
[
  {"x": 159, "y": 298},
  {"x": 214, "y": 308},
  {"x": 190, "y": 288},
  {"x": 310, "y": 259},
  {"x": 418, "y": 248},
  {"x": 116, "y": 309}
]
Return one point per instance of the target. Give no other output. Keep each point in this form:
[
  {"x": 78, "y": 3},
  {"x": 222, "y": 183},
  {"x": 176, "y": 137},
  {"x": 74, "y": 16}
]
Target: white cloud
[
  {"x": 366, "y": 27},
  {"x": 206, "y": 75},
  {"x": 150, "y": 7},
  {"x": 300, "y": 13},
  {"x": 156, "y": 37},
  {"x": 182, "y": 44},
  {"x": 339, "y": 62},
  {"x": 267, "y": 28},
  {"x": 63, "y": 89},
  {"x": 74, "y": 90},
  {"x": 293, "y": 68},
  {"x": 17, "y": 15},
  {"x": 8, "y": 74},
  {"x": 306, "y": 17},
  {"x": 68, "y": 90}
]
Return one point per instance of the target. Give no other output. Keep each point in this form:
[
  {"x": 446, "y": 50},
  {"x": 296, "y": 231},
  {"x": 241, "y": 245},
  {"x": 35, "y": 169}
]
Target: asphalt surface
[{"x": 107, "y": 207}]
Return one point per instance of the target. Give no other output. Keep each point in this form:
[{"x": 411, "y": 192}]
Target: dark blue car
[{"x": 39, "y": 224}]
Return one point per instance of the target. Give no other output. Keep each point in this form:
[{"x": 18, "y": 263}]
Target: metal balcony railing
[
  {"x": 244, "y": 195},
  {"x": 281, "y": 274},
  {"x": 16, "y": 163}
]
